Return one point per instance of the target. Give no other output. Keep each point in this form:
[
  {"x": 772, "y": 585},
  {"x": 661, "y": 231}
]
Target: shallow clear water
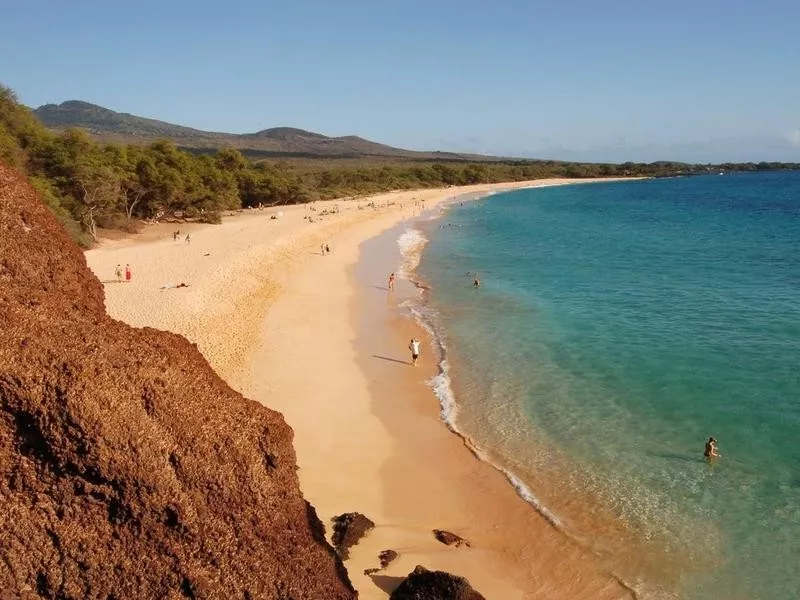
[{"x": 617, "y": 326}]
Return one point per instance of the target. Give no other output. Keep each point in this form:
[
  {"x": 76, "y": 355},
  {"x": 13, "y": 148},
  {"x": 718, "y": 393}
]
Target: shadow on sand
[
  {"x": 396, "y": 360},
  {"x": 386, "y": 582}
]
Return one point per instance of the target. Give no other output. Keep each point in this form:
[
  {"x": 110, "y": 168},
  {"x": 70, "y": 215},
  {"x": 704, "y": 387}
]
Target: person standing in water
[
  {"x": 476, "y": 283},
  {"x": 414, "y": 347},
  {"x": 711, "y": 450},
  {"x": 391, "y": 282}
]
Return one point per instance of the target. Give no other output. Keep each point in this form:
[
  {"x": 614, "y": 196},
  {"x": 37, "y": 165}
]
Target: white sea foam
[
  {"x": 526, "y": 494},
  {"x": 411, "y": 243},
  {"x": 441, "y": 384}
]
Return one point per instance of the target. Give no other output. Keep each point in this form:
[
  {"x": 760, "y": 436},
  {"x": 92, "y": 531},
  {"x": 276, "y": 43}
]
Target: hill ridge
[{"x": 108, "y": 125}]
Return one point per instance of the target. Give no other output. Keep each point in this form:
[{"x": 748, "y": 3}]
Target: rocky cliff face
[{"x": 128, "y": 468}]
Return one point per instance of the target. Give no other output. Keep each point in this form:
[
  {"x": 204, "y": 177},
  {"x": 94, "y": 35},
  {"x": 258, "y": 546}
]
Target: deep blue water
[{"x": 618, "y": 325}]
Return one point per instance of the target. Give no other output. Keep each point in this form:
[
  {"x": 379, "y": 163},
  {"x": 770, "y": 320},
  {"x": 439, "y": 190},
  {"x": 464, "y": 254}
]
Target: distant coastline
[{"x": 98, "y": 169}]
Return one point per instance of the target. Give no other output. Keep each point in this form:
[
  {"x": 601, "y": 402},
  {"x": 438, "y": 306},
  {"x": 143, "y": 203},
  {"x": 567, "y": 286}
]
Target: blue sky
[{"x": 582, "y": 80}]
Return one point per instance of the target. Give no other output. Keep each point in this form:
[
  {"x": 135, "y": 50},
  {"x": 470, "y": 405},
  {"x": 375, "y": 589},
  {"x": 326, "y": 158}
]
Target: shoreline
[
  {"x": 555, "y": 565},
  {"x": 288, "y": 329}
]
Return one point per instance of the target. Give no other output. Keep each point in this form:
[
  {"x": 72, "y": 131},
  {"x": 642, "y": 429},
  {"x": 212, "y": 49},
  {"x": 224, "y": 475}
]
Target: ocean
[{"x": 617, "y": 326}]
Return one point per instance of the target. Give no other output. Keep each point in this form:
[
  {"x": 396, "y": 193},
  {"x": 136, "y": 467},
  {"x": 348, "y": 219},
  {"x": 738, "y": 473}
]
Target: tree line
[{"x": 89, "y": 185}]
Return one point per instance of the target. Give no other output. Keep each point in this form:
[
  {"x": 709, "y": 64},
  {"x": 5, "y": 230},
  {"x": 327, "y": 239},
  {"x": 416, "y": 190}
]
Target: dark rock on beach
[
  {"x": 386, "y": 557},
  {"x": 422, "y": 584},
  {"x": 348, "y": 529},
  {"x": 450, "y": 539},
  {"x": 128, "y": 468}
]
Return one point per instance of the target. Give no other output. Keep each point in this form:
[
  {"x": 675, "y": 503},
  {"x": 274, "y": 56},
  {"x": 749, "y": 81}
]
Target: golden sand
[{"x": 305, "y": 335}]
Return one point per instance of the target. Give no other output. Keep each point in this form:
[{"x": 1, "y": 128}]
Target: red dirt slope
[{"x": 128, "y": 468}]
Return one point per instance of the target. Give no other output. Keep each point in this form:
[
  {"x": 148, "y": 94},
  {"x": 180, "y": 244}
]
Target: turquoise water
[{"x": 618, "y": 325}]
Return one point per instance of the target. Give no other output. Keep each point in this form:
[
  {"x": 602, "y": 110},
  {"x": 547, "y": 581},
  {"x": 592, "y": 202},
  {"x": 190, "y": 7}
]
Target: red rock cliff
[{"x": 128, "y": 468}]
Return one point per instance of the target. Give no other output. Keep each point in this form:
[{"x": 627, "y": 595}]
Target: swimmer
[
  {"x": 391, "y": 281},
  {"x": 476, "y": 283},
  {"x": 711, "y": 450}
]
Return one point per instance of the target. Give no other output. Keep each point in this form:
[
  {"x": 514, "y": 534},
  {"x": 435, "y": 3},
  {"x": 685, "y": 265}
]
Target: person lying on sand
[{"x": 170, "y": 286}]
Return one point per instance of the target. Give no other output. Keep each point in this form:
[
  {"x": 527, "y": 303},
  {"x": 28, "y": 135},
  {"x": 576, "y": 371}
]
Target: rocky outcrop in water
[
  {"x": 422, "y": 584},
  {"x": 128, "y": 468}
]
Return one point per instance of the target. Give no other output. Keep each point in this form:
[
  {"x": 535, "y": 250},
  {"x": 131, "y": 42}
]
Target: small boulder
[
  {"x": 348, "y": 529},
  {"x": 386, "y": 557},
  {"x": 450, "y": 539},
  {"x": 422, "y": 584}
]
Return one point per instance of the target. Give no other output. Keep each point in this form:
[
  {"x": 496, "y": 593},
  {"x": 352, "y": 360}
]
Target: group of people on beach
[
  {"x": 119, "y": 273},
  {"x": 414, "y": 344},
  {"x": 325, "y": 249}
]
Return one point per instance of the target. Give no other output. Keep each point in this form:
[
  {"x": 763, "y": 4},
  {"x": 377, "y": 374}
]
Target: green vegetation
[{"x": 88, "y": 185}]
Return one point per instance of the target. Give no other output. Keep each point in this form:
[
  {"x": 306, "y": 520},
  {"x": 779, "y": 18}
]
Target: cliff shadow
[{"x": 387, "y": 583}]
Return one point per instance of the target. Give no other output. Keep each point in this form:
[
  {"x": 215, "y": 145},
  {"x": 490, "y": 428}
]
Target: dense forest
[{"x": 88, "y": 185}]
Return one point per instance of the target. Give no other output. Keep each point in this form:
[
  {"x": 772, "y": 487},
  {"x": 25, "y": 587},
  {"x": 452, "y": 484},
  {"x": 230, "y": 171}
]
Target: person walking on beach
[
  {"x": 327, "y": 249},
  {"x": 391, "y": 282},
  {"x": 322, "y": 249},
  {"x": 711, "y": 450},
  {"x": 118, "y": 273},
  {"x": 188, "y": 238},
  {"x": 127, "y": 272},
  {"x": 414, "y": 347}
]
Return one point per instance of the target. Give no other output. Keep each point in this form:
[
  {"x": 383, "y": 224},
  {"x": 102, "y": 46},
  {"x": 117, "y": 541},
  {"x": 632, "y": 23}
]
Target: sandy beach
[{"x": 319, "y": 338}]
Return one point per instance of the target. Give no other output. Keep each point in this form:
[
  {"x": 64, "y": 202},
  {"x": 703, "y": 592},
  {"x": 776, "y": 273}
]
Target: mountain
[{"x": 111, "y": 126}]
